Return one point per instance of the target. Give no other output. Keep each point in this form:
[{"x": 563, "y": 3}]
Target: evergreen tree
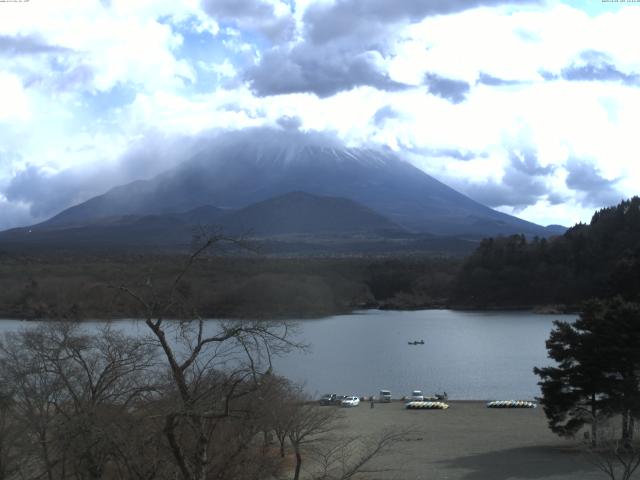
[
  {"x": 601, "y": 259},
  {"x": 616, "y": 325},
  {"x": 598, "y": 369},
  {"x": 573, "y": 392}
]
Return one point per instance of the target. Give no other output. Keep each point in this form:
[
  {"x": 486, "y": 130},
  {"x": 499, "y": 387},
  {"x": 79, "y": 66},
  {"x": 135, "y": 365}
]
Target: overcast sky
[{"x": 531, "y": 107}]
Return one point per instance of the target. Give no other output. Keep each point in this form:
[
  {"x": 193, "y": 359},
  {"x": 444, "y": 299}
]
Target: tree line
[
  {"x": 596, "y": 260},
  {"x": 75, "y": 286}
]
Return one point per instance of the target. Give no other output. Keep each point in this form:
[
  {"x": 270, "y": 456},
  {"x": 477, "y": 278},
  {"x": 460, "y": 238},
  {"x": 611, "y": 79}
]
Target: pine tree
[
  {"x": 616, "y": 324},
  {"x": 598, "y": 369},
  {"x": 573, "y": 392}
]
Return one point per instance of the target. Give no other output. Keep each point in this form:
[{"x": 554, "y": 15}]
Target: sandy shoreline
[{"x": 471, "y": 442}]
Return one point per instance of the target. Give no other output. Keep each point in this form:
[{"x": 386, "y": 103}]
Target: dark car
[
  {"x": 331, "y": 399},
  {"x": 328, "y": 399}
]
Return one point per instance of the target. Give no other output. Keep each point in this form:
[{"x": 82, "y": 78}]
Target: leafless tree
[
  {"x": 10, "y": 436},
  {"x": 192, "y": 399},
  {"x": 349, "y": 455},
  {"x": 318, "y": 434},
  {"x": 34, "y": 396},
  {"x": 309, "y": 426},
  {"x": 283, "y": 400},
  {"x": 139, "y": 448},
  {"x": 70, "y": 392},
  {"x": 617, "y": 458},
  {"x": 214, "y": 367}
]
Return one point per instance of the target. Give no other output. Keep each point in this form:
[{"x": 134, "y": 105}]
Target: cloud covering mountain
[
  {"x": 255, "y": 165},
  {"x": 457, "y": 88}
]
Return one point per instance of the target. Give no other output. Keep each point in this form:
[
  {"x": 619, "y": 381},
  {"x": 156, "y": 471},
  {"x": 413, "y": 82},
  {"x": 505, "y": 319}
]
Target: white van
[
  {"x": 416, "y": 396},
  {"x": 385, "y": 396}
]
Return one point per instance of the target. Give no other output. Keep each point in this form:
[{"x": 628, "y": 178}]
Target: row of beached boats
[
  {"x": 511, "y": 404},
  {"x": 428, "y": 405}
]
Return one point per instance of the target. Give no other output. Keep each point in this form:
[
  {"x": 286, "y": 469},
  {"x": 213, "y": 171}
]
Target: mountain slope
[
  {"x": 307, "y": 219},
  {"x": 251, "y": 166},
  {"x": 300, "y": 212}
]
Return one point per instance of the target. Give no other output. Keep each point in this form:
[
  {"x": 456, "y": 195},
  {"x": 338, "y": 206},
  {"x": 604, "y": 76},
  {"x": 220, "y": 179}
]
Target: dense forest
[
  {"x": 600, "y": 259},
  {"x": 75, "y": 286}
]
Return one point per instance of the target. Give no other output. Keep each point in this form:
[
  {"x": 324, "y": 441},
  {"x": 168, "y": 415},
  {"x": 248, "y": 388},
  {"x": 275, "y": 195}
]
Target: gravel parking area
[{"x": 471, "y": 442}]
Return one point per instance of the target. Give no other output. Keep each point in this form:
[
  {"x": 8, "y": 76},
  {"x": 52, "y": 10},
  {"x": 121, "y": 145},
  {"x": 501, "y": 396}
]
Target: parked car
[
  {"x": 385, "y": 396},
  {"x": 416, "y": 396},
  {"x": 438, "y": 397},
  {"x": 350, "y": 402},
  {"x": 328, "y": 399},
  {"x": 332, "y": 399}
]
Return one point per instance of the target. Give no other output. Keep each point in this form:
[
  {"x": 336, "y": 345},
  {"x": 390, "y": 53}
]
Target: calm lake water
[{"x": 470, "y": 355}]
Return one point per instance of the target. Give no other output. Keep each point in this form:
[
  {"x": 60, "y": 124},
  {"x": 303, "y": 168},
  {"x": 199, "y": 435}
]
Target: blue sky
[
  {"x": 530, "y": 107},
  {"x": 598, "y": 7}
]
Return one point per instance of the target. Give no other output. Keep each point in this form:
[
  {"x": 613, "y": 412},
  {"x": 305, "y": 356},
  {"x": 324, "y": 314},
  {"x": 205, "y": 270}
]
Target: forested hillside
[
  {"x": 600, "y": 259},
  {"x": 58, "y": 285}
]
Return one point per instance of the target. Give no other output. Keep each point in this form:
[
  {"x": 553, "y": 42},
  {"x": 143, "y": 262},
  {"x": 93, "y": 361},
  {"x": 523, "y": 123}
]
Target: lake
[{"x": 470, "y": 355}]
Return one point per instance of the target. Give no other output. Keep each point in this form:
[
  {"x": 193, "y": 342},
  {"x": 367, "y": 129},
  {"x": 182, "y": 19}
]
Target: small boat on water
[{"x": 416, "y": 342}]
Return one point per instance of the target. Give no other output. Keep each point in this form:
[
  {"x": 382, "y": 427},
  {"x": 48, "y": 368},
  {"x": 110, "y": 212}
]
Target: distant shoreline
[{"x": 540, "y": 310}]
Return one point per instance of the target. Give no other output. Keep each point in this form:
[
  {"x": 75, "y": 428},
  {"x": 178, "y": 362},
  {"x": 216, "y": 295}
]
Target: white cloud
[
  {"x": 132, "y": 57},
  {"x": 271, "y": 18},
  {"x": 13, "y": 213},
  {"x": 117, "y": 45},
  {"x": 223, "y": 70},
  {"x": 14, "y": 102}
]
